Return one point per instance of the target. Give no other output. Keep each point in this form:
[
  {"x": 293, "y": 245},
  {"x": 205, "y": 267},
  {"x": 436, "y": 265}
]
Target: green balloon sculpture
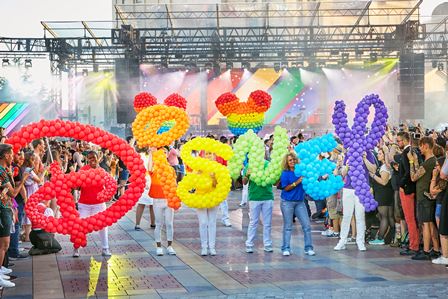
[{"x": 252, "y": 144}]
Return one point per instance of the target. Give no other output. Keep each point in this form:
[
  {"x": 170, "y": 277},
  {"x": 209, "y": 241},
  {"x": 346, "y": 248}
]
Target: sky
[{"x": 21, "y": 18}]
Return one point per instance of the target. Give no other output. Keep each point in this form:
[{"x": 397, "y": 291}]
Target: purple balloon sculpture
[{"x": 357, "y": 142}]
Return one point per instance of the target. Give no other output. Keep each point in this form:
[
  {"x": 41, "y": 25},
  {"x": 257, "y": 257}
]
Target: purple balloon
[{"x": 357, "y": 142}]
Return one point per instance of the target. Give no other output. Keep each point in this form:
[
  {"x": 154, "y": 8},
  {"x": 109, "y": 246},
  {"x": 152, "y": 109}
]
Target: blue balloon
[{"x": 313, "y": 170}]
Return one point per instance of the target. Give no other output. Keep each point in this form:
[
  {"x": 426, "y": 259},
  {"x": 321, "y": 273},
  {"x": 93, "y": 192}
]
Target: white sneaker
[
  {"x": 440, "y": 261},
  {"x": 170, "y": 250},
  {"x": 5, "y": 277},
  {"x": 351, "y": 241},
  {"x": 212, "y": 251},
  {"x": 159, "y": 251},
  {"x": 327, "y": 232},
  {"x": 106, "y": 252},
  {"x": 76, "y": 252},
  {"x": 286, "y": 253},
  {"x": 4, "y": 270},
  {"x": 310, "y": 252},
  {"x": 339, "y": 246},
  {"x": 6, "y": 283},
  {"x": 204, "y": 251},
  {"x": 249, "y": 249},
  {"x": 227, "y": 223},
  {"x": 362, "y": 247}
]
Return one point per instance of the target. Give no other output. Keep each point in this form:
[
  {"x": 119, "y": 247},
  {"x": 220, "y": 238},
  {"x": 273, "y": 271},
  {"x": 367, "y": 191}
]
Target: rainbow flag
[{"x": 11, "y": 114}]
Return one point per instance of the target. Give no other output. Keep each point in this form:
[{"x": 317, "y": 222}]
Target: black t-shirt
[
  {"x": 104, "y": 165},
  {"x": 121, "y": 165},
  {"x": 18, "y": 172}
]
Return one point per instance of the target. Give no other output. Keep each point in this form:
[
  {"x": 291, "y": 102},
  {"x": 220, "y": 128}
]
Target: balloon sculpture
[
  {"x": 147, "y": 123},
  {"x": 196, "y": 190},
  {"x": 242, "y": 116},
  {"x": 313, "y": 169},
  {"x": 60, "y": 185},
  {"x": 252, "y": 144},
  {"x": 357, "y": 143}
]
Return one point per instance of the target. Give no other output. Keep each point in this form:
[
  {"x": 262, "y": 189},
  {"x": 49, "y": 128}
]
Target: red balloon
[{"x": 60, "y": 185}]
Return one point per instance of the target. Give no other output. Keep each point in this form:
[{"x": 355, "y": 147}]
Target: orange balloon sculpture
[{"x": 145, "y": 127}]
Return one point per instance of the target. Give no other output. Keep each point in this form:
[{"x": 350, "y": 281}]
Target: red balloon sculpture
[{"x": 60, "y": 185}]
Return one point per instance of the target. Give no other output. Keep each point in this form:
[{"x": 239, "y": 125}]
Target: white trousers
[
  {"x": 89, "y": 210},
  {"x": 263, "y": 207},
  {"x": 163, "y": 214},
  {"x": 224, "y": 207},
  {"x": 350, "y": 204},
  {"x": 245, "y": 194},
  {"x": 207, "y": 226}
]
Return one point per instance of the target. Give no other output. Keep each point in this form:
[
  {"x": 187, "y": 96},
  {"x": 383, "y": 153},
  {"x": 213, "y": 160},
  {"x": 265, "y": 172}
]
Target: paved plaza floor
[{"x": 135, "y": 271}]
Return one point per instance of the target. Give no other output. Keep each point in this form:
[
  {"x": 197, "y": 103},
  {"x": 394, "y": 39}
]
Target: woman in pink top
[{"x": 173, "y": 159}]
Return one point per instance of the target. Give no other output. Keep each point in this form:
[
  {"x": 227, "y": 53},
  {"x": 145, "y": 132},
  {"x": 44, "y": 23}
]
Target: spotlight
[
  {"x": 107, "y": 73},
  {"x": 345, "y": 58},
  {"x": 5, "y": 61},
  {"x": 440, "y": 66},
  {"x": 85, "y": 72},
  {"x": 28, "y": 63},
  {"x": 208, "y": 67},
  {"x": 373, "y": 57},
  {"x": 2, "y": 82},
  {"x": 229, "y": 65},
  {"x": 245, "y": 65},
  {"x": 277, "y": 67}
]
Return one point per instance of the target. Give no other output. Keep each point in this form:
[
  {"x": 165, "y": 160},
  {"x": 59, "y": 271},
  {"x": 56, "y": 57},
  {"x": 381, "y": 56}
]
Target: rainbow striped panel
[
  {"x": 11, "y": 114},
  {"x": 166, "y": 126}
]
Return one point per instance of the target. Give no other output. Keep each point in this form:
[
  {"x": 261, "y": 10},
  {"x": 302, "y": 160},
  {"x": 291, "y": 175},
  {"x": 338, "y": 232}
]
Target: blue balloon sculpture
[{"x": 312, "y": 169}]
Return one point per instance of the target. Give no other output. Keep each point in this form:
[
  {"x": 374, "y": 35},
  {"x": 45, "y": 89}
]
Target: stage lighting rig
[
  {"x": 28, "y": 63},
  {"x": 245, "y": 65},
  {"x": 345, "y": 58},
  {"x": 277, "y": 67}
]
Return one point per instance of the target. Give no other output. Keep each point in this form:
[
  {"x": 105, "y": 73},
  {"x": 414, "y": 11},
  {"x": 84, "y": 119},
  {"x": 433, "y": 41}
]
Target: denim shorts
[
  {"x": 438, "y": 210},
  {"x": 124, "y": 175},
  {"x": 5, "y": 222}
]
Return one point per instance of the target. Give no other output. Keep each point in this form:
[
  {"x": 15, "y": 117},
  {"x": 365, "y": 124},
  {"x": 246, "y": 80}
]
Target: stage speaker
[
  {"x": 127, "y": 78},
  {"x": 412, "y": 86}
]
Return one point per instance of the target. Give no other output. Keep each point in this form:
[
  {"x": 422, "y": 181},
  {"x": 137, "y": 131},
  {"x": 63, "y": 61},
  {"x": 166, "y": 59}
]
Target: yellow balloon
[{"x": 209, "y": 185}]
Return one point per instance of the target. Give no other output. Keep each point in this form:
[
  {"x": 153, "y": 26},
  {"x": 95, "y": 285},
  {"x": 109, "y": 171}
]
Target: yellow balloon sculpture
[{"x": 198, "y": 190}]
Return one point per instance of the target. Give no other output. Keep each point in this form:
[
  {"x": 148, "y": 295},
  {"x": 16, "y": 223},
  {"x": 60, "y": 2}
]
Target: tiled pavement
[{"x": 134, "y": 270}]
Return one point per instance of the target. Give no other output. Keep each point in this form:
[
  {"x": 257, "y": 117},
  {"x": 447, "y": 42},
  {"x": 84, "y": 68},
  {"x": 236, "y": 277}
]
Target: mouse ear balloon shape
[
  {"x": 61, "y": 185},
  {"x": 313, "y": 169},
  {"x": 357, "y": 142},
  {"x": 243, "y": 116},
  {"x": 143, "y": 100}
]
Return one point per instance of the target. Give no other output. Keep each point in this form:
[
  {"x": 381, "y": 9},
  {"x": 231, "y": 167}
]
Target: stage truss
[{"x": 290, "y": 34}]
